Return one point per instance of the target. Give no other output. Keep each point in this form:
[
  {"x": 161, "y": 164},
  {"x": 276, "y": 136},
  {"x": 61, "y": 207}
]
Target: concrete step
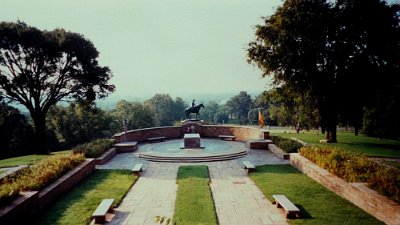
[{"x": 213, "y": 158}]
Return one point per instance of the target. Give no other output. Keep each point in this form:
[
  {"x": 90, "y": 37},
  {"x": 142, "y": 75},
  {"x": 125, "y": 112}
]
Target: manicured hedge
[
  {"x": 37, "y": 176},
  {"x": 287, "y": 145},
  {"x": 354, "y": 167},
  {"x": 95, "y": 148}
]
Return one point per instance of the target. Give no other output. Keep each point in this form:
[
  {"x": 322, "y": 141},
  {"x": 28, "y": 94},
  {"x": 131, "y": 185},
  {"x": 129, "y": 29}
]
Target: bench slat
[
  {"x": 103, "y": 208},
  {"x": 286, "y": 203},
  {"x": 137, "y": 168},
  {"x": 156, "y": 138}
]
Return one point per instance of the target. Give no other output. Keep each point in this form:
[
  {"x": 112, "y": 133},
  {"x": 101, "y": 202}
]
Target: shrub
[
  {"x": 287, "y": 145},
  {"x": 354, "y": 167},
  {"x": 95, "y": 148},
  {"x": 37, "y": 176}
]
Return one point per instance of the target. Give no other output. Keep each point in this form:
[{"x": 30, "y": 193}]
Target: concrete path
[
  {"x": 152, "y": 195},
  {"x": 237, "y": 199}
]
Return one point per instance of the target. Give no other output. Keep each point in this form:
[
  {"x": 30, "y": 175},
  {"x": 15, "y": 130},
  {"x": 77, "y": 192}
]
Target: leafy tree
[
  {"x": 240, "y": 105},
  {"x": 40, "y": 68},
  {"x": 15, "y": 132},
  {"x": 136, "y": 114},
  {"x": 208, "y": 112},
  {"x": 77, "y": 123},
  {"x": 221, "y": 117},
  {"x": 310, "y": 48},
  {"x": 164, "y": 109}
]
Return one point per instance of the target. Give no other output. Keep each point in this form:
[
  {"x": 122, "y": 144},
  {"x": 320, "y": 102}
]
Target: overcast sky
[{"x": 177, "y": 47}]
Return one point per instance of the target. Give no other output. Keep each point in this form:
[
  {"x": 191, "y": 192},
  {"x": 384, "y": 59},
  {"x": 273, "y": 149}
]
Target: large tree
[
  {"x": 313, "y": 48},
  {"x": 239, "y": 105},
  {"x": 40, "y": 68}
]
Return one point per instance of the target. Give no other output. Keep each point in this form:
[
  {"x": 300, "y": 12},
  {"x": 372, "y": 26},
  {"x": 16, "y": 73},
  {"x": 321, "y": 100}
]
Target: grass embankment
[
  {"x": 194, "y": 204},
  {"x": 28, "y": 159},
  {"x": 368, "y": 146},
  {"x": 77, "y": 205},
  {"x": 318, "y": 205}
]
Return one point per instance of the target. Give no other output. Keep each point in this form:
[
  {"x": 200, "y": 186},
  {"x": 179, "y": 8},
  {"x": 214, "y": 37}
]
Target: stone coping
[
  {"x": 359, "y": 194},
  {"x": 278, "y": 152}
]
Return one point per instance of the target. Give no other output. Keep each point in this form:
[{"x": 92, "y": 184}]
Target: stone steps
[{"x": 182, "y": 159}]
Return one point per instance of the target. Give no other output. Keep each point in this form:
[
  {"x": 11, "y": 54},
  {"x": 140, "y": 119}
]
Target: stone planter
[
  {"x": 359, "y": 194},
  {"x": 278, "y": 152},
  {"x": 30, "y": 202},
  {"x": 106, "y": 156}
]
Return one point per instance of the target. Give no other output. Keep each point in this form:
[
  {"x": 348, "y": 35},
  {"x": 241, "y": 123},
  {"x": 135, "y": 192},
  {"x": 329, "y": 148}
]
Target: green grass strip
[
  {"x": 368, "y": 146},
  {"x": 27, "y": 160},
  {"x": 77, "y": 205},
  {"x": 318, "y": 205},
  {"x": 194, "y": 204}
]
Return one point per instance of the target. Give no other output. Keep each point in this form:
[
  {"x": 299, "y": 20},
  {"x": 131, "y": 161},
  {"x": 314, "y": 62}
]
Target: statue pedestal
[{"x": 192, "y": 141}]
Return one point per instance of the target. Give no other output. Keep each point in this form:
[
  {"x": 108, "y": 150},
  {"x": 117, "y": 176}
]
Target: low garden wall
[
  {"x": 242, "y": 133},
  {"x": 140, "y": 135},
  {"x": 30, "y": 202},
  {"x": 359, "y": 194},
  {"x": 278, "y": 152}
]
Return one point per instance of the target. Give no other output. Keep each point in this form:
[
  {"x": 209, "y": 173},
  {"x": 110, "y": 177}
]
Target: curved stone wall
[{"x": 242, "y": 133}]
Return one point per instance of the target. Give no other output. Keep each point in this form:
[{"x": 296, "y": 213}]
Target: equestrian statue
[{"x": 193, "y": 109}]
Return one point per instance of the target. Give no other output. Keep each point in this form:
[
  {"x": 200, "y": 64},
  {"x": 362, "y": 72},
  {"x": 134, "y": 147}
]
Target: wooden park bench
[
  {"x": 99, "y": 215},
  {"x": 137, "y": 169},
  {"x": 291, "y": 210},
  {"x": 152, "y": 139},
  {"x": 227, "y": 137},
  {"x": 249, "y": 166}
]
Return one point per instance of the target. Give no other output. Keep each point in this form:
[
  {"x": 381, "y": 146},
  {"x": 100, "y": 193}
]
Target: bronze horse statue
[{"x": 195, "y": 109}]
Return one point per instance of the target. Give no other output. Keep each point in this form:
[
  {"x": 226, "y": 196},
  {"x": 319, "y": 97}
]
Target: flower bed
[
  {"x": 354, "y": 167},
  {"x": 95, "y": 148},
  {"x": 37, "y": 176},
  {"x": 287, "y": 145}
]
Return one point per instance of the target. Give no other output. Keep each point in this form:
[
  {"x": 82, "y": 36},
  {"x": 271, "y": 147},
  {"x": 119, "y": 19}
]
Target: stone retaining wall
[
  {"x": 65, "y": 182},
  {"x": 278, "y": 152},
  {"x": 242, "y": 133},
  {"x": 359, "y": 194},
  {"x": 106, "y": 156},
  {"x": 30, "y": 202},
  {"x": 140, "y": 135}
]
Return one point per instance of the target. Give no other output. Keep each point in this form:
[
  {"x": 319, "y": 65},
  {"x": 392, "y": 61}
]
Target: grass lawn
[
  {"x": 318, "y": 205},
  {"x": 194, "y": 204},
  {"x": 77, "y": 205},
  {"x": 368, "y": 146},
  {"x": 26, "y": 160}
]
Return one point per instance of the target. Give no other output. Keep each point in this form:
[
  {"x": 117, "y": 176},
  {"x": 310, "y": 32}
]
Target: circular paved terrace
[{"x": 171, "y": 147}]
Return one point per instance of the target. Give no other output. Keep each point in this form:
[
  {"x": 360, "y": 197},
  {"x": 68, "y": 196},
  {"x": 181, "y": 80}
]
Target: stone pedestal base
[{"x": 192, "y": 141}]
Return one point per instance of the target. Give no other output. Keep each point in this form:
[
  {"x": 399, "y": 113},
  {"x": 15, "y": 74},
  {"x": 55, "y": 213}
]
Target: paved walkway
[{"x": 237, "y": 199}]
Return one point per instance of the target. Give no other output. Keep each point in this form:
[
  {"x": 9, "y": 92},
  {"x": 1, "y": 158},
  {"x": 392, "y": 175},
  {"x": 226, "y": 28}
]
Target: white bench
[
  {"x": 227, "y": 137},
  {"x": 152, "y": 139},
  {"x": 291, "y": 210},
  {"x": 137, "y": 169},
  {"x": 249, "y": 166},
  {"x": 99, "y": 214}
]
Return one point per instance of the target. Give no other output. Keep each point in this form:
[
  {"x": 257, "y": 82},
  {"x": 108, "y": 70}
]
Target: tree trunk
[
  {"x": 39, "y": 120},
  {"x": 356, "y": 131},
  {"x": 331, "y": 128}
]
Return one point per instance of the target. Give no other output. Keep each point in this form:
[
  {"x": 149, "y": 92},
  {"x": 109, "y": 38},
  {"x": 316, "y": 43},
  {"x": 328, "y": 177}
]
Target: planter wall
[
  {"x": 142, "y": 134},
  {"x": 278, "y": 152},
  {"x": 359, "y": 194},
  {"x": 106, "y": 156},
  {"x": 66, "y": 182},
  {"x": 20, "y": 207}
]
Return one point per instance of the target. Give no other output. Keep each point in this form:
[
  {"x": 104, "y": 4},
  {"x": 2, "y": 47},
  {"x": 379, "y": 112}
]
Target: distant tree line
[{"x": 77, "y": 123}]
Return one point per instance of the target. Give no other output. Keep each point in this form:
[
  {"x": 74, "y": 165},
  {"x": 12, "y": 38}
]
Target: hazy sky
[{"x": 160, "y": 46}]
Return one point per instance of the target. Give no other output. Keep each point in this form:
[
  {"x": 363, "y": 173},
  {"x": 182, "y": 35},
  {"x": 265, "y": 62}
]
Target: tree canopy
[
  {"x": 323, "y": 51},
  {"x": 40, "y": 68}
]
